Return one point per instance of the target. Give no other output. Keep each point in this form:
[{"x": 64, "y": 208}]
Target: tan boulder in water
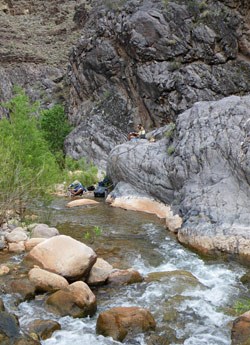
[
  {"x": 140, "y": 204},
  {"x": 77, "y": 300},
  {"x": 82, "y": 202},
  {"x": 99, "y": 272},
  {"x": 122, "y": 321},
  {"x": 144, "y": 204},
  {"x": 32, "y": 242},
  {"x": 124, "y": 277},
  {"x": 46, "y": 281},
  {"x": 65, "y": 256},
  {"x": 240, "y": 333}
]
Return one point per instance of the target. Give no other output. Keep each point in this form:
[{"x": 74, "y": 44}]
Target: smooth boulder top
[
  {"x": 64, "y": 255},
  {"x": 81, "y": 202}
]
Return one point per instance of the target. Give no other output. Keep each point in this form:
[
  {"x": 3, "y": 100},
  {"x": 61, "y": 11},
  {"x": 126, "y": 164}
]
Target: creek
[{"x": 189, "y": 309}]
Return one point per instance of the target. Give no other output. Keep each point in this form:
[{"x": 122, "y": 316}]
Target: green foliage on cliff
[
  {"x": 171, "y": 130},
  {"x": 27, "y": 166}
]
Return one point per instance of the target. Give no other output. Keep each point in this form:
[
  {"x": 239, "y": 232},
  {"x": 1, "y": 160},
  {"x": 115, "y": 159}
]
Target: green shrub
[
  {"x": 27, "y": 166},
  {"x": 80, "y": 170},
  {"x": 170, "y": 150},
  {"x": 171, "y": 129}
]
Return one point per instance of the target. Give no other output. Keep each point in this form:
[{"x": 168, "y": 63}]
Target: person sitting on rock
[
  {"x": 140, "y": 134},
  {"x": 76, "y": 188}
]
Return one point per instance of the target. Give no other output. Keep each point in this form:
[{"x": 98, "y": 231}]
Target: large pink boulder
[{"x": 65, "y": 256}]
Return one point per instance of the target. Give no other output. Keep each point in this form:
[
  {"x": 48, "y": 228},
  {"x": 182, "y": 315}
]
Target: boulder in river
[
  {"x": 46, "y": 281},
  {"x": 81, "y": 202},
  {"x": 124, "y": 277},
  {"x": 65, "y": 256},
  {"x": 120, "y": 322},
  {"x": 99, "y": 272},
  {"x": 43, "y": 329},
  {"x": 77, "y": 300},
  {"x": 240, "y": 334}
]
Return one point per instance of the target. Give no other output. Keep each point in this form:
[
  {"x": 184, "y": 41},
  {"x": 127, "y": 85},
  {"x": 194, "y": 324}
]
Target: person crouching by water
[
  {"x": 76, "y": 188},
  {"x": 140, "y": 134}
]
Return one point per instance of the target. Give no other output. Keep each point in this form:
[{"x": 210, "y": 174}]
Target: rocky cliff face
[
  {"x": 155, "y": 62},
  {"x": 35, "y": 40},
  {"x": 148, "y": 61}
]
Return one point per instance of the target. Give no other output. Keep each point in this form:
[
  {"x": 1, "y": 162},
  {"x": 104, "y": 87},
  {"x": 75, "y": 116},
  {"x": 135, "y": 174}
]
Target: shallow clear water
[{"x": 189, "y": 309}]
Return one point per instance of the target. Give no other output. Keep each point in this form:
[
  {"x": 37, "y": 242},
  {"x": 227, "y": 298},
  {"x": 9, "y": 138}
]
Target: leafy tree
[
  {"x": 55, "y": 128},
  {"x": 27, "y": 167}
]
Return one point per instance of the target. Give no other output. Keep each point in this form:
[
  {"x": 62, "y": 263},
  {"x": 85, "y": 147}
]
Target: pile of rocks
[{"x": 63, "y": 269}]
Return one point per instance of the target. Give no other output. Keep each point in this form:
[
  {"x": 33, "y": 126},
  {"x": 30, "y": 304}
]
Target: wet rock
[
  {"x": 16, "y": 247},
  {"x": 43, "y": 231},
  {"x": 99, "y": 272},
  {"x": 26, "y": 340},
  {"x": 139, "y": 203},
  {"x": 4, "y": 270},
  {"x": 157, "y": 340},
  {"x": 43, "y": 328},
  {"x": 240, "y": 333},
  {"x": 178, "y": 280},
  {"x": 9, "y": 327},
  {"x": 76, "y": 261},
  {"x": 121, "y": 322},
  {"x": 245, "y": 279},
  {"x": 32, "y": 242},
  {"x": 2, "y": 307},
  {"x": 124, "y": 277},
  {"x": 23, "y": 287},
  {"x": 2, "y": 244},
  {"x": 46, "y": 281},
  {"x": 16, "y": 235},
  {"x": 77, "y": 300},
  {"x": 81, "y": 202}
]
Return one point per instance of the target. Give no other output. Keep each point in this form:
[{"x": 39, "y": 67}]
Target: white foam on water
[{"x": 220, "y": 286}]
